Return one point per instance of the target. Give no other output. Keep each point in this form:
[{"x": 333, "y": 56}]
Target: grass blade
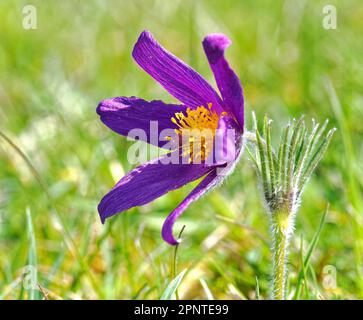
[
  {"x": 173, "y": 286},
  {"x": 312, "y": 247},
  {"x": 257, "y": 289},
  {"x": 32, "y": 275},
  {"x": 206, "y": 289},
  {"x": 68, "y": 239}
]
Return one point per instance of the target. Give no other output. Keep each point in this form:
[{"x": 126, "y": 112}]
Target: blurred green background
[{"x": 57, "y": 159}]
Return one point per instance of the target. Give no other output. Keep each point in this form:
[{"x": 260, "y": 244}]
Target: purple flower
[{"x": 202, "y": 108}]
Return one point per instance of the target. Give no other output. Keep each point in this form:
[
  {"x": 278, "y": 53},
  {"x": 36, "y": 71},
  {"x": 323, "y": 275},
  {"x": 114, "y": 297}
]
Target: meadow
[{"x": 57, "y": 159}]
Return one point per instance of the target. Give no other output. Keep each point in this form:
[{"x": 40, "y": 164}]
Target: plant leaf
[
  {"x": 206, "y": 289},
  {"x": 32, "y": 258},
  {"x": 312, "y": 247},
  {"x": 173, "y": 286}
]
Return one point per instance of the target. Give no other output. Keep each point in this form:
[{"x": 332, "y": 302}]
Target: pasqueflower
[{"x": 201, "y": 110}]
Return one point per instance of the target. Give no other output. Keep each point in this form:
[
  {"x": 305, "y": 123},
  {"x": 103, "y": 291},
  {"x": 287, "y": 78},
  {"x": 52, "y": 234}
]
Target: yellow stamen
[{"x": 196, "y": 130}]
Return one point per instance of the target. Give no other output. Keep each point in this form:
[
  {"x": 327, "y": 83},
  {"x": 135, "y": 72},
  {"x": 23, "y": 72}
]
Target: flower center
[{"x": 197, "y": 129}]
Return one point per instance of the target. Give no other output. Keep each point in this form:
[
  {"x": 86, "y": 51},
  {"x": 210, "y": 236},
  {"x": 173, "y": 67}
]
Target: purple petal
[
  {"x": 228, "y": 83},
  {"x": 228, "y": 140},
  {"x": 174, "y": 75},
  {"x": 147, "y": 183},
  {"x": 206, "y": 184},
  {"x": 123, "y": 114}
]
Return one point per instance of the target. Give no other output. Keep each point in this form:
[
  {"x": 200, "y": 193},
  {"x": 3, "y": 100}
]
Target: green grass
[{"x": 57, "y": 159}]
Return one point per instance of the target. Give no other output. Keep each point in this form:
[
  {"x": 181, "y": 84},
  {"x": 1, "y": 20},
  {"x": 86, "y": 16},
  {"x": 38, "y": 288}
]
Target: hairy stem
[{"x": 281, "y": 239}]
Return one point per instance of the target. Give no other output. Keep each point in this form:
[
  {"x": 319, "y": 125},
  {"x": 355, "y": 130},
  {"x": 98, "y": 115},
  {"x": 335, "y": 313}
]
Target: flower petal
[
  {"x": 228, "y": 83},
  {"x": 123, "y": 114},
  {"x": 228, "y": 140},
  {"x": 147, "y": 183},
  {"x": 174, "y": 75},
  {"x": 206, "y": 184}
]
